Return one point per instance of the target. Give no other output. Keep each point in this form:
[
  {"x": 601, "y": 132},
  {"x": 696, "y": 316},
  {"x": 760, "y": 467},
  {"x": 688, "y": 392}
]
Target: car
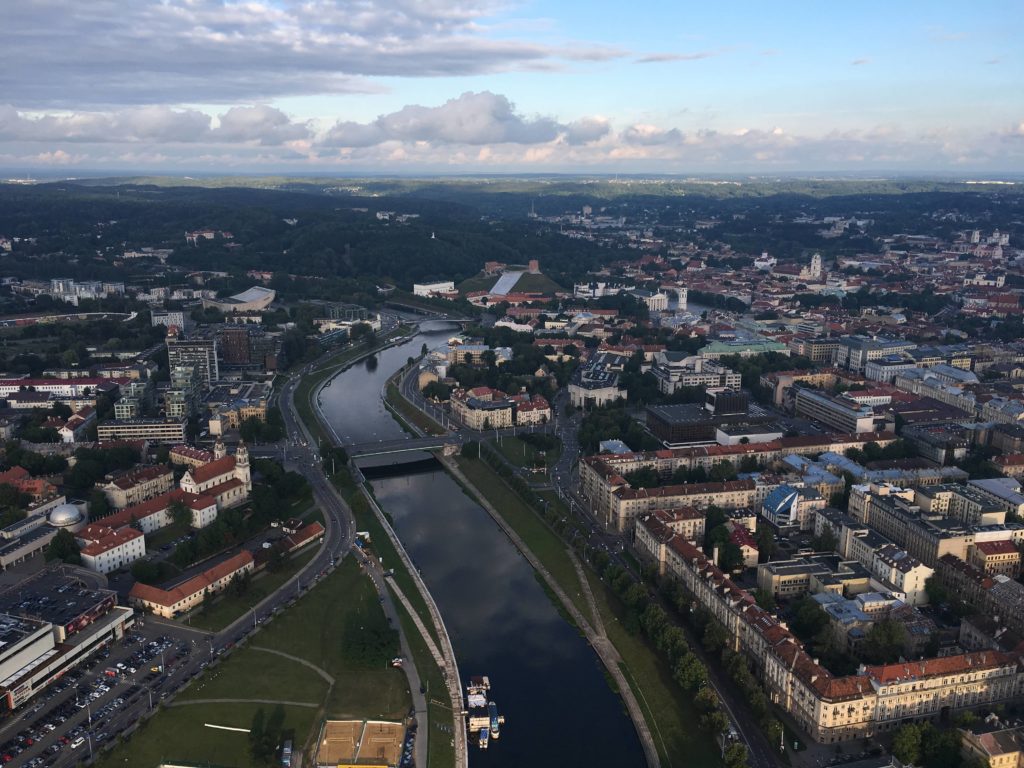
[{"x": 78, "y": 742}]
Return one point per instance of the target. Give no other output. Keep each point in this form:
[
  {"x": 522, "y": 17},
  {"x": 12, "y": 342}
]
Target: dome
[{"x": 65, "y": 515}]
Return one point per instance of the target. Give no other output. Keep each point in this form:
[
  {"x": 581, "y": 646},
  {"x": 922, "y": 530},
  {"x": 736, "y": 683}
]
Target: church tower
[
  {"x": 219, "y": 451},
  {"x": 816, "y": 266},
  {"x": 242, "y": 466}
]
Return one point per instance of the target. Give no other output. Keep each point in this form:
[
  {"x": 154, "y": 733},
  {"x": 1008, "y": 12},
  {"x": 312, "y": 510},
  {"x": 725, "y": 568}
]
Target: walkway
[
  {"x": 599, "y": 642},
  {"x": 191, "y": 702},
  {"x": 506, "y": 283},
  {"x": 297, "y": 660}
]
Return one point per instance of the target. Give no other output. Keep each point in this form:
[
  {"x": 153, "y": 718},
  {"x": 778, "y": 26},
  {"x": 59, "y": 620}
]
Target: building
[
  {"x": 136, "y": 485},
  {"x": 178, "y": 600},
  {"x": 719, "y": 349},
  {"x": 838, "y": 412},
  {"x": 855, "y": 352},
  {"x": 105, "y": 550},
  {"x": 676, "y": 370},
  {"x": 788, "y": 507},
  {"x": 596, "y": 383},
  {"x": 255, "y": 299},
  {"x": 168, "y": 319},
  {"x": 483, "y": 408},
  {"x": 443, "y": 289},
  {"x": 531, "y": 410},
  {"x": 188, "y": 456},
  {"x": 1000, "y": 748},
  {"x": 1003, "y": 491},
  {"x": 167, "y": 431},
  {"x": 226, "y": 478},
  {"x": 628, "y": 503},
  {"x": 996, "y": 557},
  {"x": 42, "y": 639},
  {"x": 831, "y": 709},
  {"x": 200, "y": 354}
]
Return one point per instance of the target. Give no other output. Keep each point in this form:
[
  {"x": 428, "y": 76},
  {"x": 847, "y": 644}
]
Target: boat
[
  {"x": 478, "y": 685},
  {"x": 495, "y": 718},
  {"x": 476, "y": 701},
  {"x": 484, "y": 738}
]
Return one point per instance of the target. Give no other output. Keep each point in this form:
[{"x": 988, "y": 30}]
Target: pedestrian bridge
[{"x": 385, "y": 447}]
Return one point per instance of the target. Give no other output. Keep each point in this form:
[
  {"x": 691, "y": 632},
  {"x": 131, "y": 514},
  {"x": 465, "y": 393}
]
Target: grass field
[
  {"x": 523, "y": 454},
  {"x": 540, "y": 539},
  {"x": 382, "y": 547},
  {"x": 668, "y": 710},
  {"x": 411, "y": 413},
  {"x": 179, "y": 734},
  {"x": 537, "y": 284},
  {"x": 480, "y": 282},
  {"x": 440, "y": 751},
  {"x": 338, "y": 626},
  {"x": 165, "y": 535},
  {"x": 226, "y": 609}
]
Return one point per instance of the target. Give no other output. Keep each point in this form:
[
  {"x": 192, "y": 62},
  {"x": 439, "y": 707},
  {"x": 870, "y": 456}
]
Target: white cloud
[
  {"x": 659, "y": 58},
  {"x": 69, "y": 54}
]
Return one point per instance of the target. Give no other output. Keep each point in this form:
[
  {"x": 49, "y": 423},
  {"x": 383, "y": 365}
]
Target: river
[{"x": 545, "y": 678}]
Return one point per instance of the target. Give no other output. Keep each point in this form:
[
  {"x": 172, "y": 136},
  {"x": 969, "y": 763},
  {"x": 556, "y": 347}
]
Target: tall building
[{"x": 200, "y": 354}]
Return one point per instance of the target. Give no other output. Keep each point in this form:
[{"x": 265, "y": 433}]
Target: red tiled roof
[
  {"x": 196, "y": 584},
  {"x": 215, "y": 468},
  {"x": 115, "y": 539},
  {"x": 1001, "y": 547},
  {"x": 938, "y": 667}
]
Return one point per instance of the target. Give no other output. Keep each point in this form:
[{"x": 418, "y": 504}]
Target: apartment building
[
  {"x": 627, "y": 503},
  {"x": 200, "y": 354},
  {"x": 168, "y": 431},
  {"x": 996, "y": 557},
  {"x": 855, "y": 352},
  {"x": 841, "y": 413},
  {"x": 965, "y": 503},
  {"x": 828, "y": 708}
]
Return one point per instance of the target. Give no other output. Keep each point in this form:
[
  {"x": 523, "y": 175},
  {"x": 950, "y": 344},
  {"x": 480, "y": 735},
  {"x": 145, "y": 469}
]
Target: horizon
[{"x": 488, "y": 87}]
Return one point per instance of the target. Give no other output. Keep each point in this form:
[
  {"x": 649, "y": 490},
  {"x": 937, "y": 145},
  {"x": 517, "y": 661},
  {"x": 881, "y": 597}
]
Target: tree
[
  {"x": 63, "y": 547},
  {"x": 735, "y": 756},
  {"x": 180, "y": 513},
  {"x": 765, "y": 599},
  {"x": 906, "y": 744},
  {"x": 715, "y": 637},
  {"x": 766, "y": 544},
  {"x": 885, "y": 642},
  {"x": 826, "y": 541}
]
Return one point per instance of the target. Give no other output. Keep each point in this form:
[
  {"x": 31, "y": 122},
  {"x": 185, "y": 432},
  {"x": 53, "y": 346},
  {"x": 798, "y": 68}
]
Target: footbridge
[{"x": 384, "y": 447}]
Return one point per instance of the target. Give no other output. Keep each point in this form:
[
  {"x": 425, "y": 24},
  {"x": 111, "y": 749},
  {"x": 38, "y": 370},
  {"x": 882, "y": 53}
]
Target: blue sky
[{"x": 403, "y": 86}]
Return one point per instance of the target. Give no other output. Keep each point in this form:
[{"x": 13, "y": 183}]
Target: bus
[{"x": 286, "y": 754}]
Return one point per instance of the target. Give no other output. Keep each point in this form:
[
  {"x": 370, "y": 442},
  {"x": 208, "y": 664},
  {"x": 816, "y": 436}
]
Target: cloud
[
  {"x": 102, "y": 53},
  {"x": 472, "y": 118},
  {"x": 860, "y": 62},
  {"x": 587, "y": 130},
  {"x": 658, "y": 58},
  {"x": 650, "y": 135},
  {"x": 152, "y": 125}
]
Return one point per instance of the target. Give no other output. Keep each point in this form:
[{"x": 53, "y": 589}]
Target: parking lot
[{"x": 95, "y": 702}]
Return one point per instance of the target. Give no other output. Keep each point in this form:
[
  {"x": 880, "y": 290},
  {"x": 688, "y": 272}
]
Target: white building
[
  {"x": 105, "y": 550},
  {"x": 432, "y": 289}
]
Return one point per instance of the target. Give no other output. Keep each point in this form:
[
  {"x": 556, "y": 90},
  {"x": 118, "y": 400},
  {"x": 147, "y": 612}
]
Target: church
[{"x": 227, "y": 478}]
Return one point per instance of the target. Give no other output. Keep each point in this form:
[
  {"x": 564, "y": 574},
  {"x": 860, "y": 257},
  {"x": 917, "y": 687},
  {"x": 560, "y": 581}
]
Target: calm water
[{"x": 544, "y": 676}]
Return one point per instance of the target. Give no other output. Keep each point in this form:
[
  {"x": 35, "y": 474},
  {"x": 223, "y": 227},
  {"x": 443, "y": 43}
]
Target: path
[
  {"x": 298, "y": 660},
  {"x": 191, "y": 702},
  {"x": 602, "y": 646}
]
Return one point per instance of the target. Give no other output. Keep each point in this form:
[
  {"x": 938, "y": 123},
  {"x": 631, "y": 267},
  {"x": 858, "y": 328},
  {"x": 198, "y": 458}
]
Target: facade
[
  {"x": 841, "y": 413},
  {"x": 433, "y": 289},
  {"x": 856, "y": 351},
  {"x": 190, "y": 594},
  {"x": 200, "y": 354},
  {"x": 167, "y": 431},
  {"x": 828, "y": 708},
  {"x": 137, "y": 485},
  {"x": 483, "y": 408},
  {"x": 996, "y": 557},
  {"x": 596, "y": 383},
  {"x": 105, "y": 550}
]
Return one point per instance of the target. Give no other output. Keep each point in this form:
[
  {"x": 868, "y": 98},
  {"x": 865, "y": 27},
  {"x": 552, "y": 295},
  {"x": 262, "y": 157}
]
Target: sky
[{"x": 489, "y": 86}]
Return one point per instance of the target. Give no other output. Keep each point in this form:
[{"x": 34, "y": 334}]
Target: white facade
[{"x": 429, "y": 289}]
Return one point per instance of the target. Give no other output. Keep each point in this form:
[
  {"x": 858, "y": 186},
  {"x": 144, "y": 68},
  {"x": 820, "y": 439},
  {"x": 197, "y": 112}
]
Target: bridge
[{"x": 384, "y": 447}]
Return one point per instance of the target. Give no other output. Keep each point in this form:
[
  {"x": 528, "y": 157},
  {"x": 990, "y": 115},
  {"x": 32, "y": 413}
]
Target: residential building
[
  {"x": 1000, "y": 748},
  {"x": 167, "y": 431},
  {"x": 995, "y": 557},
  {"x": 200, "y": 354},
  {"x": 106, "y": 550},
  {"x": 856, "y": 351},
  {"x": 190, "y": 594},
  {"x": 483, "y": 408},
  {"x": 136, "y": 485}
]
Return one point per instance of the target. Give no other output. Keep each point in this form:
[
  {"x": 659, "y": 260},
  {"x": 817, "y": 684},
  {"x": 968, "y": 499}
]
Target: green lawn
[
  {"x": 165, "y": 535},
  {"x": 541, "y": 540},
  {"x": 382, "y": 547},
  {"x": 252, "y": 674},
  {"x": 411, "y": 413},
  {"x": 226, "y": 609},
  {"x": 523, "y": 454},
  {"x": 480, "y": 282},
  {"x": 340, "y": 627},
  {"x": 440, "y": 751},
  {"x": 537, "y": 284},
  {"x": 179, "y": 734},
  {"x": 668, "y": 710}
]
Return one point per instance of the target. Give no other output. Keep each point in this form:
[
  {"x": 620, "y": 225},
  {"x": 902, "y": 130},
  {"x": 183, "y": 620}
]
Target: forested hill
[{"x": 331, "y": 236}]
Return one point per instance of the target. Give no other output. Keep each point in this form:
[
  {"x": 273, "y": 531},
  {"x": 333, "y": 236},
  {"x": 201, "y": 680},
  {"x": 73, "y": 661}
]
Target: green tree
[
  {"x": 765, "y": 599},
  {"x": 735, "y": 756},
  {"x": 63, "y": 547},
  {"x": 906, "y": 744},
  {"x": 180, "y": 514}
]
